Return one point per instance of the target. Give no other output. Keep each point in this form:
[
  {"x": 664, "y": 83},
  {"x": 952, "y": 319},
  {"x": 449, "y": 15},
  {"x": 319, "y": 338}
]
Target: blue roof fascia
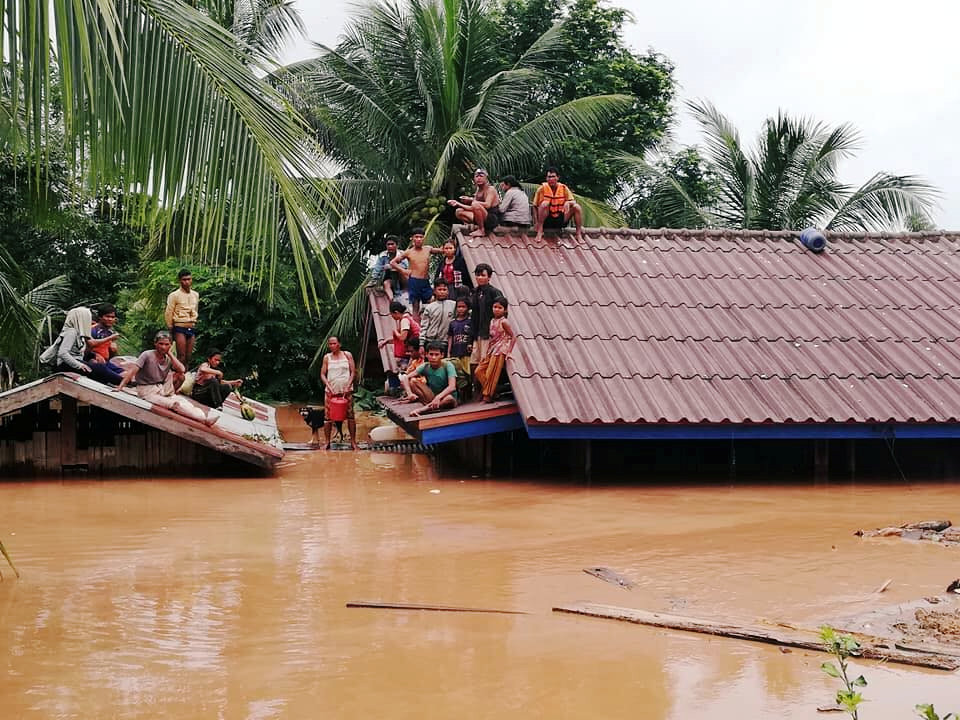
[
  {"x": 489, "y": 426},
  {"x": 811, "y": 431}
]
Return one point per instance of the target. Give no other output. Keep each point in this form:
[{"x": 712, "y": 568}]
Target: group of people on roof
[
  {"x": 88, "y": 347},
  {"x": 554, "y": 206},
  {"x": 451, "y": 334}
]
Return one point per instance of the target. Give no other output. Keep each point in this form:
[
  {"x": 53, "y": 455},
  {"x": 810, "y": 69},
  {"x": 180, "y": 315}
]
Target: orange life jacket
[{"x": 556, "y": 197}]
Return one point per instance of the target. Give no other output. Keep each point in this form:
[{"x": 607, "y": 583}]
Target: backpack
[{"x": 48, "y": 358}]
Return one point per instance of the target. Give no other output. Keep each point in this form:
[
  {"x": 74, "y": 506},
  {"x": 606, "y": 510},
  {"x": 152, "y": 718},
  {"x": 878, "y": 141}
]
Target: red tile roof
[{"x": 683, "y": 326}]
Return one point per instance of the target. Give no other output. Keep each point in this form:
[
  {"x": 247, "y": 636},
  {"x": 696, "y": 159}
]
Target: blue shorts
[
  {"x": 188, "y": 332},
  {"x": 418, "y": 289}
]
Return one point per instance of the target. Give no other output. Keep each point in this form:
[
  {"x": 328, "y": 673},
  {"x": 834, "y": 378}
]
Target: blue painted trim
[
  {"x": 501, "y": 423},
  {"x": 812, "y": 431}
]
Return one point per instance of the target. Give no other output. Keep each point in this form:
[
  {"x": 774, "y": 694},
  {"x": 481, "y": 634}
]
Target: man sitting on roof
[
  {"x": 555, "y": 205},
  {"x": 482, "y": 209},
  {"x": 153, "y": 371},
  {"x": 440, "y": 389}
]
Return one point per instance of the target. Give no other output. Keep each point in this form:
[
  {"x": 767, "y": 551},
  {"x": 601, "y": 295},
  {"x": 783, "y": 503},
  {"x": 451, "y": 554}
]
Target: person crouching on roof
[
  {"x": 482, "y": 209},
  {"x": 555, "y": 206},
  {"x": 210, "y": 388},
  {"x": 153, "y": 371},
  {"x": 73, "y": 347}
]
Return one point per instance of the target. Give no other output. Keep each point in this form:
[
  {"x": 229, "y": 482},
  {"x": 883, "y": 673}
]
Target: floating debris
[
  {"x": 938, "y": 531},
  {"x": 611, "y": 576}
]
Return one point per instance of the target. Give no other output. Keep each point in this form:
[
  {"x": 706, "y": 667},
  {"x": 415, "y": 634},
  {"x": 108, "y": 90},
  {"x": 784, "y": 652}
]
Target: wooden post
[
  {"x": 733, "y": 459},
  {"x": 68, "y": 431},
  {"x": 487, "y": 455},
  {"x": 821, "y": 459}
]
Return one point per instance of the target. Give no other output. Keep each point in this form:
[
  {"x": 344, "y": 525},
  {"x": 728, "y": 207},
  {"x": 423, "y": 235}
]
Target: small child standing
[
  {"x": 502, "y": 340},
  {"x": 435, "y": 317},
  {"x": 460, "y": 344}
]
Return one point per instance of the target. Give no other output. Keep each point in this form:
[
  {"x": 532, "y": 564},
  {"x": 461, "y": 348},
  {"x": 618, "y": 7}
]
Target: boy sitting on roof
[
  {"x": 382, "y": 275},
  {"x": 439, "y": 390},
  {"x": 555, "y": 205}
]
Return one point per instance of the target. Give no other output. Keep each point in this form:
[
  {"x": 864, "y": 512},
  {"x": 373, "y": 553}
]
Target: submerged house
[
  {"x": 68, "y": 423},
  {"x": 716, "y": 336}
]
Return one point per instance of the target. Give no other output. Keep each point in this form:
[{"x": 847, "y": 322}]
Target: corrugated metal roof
[{"x": 685, "y": 326}]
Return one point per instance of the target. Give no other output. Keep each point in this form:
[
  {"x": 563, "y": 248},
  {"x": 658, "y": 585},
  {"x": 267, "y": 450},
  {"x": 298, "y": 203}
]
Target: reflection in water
[{"x": 225, "y": 598}]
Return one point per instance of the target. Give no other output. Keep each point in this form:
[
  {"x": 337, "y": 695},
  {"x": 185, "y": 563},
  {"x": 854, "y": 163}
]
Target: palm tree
[
  {"x": 415, "y": 97},
  {"x": 25, "y": 312},
  {"x": 788, "y": 181},
  {"x": 161, "y": 102}
]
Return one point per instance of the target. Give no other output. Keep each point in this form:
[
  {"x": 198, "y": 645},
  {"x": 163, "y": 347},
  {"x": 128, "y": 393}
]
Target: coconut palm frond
[
  {"x": 582, "y": 117},
  {"x": 884, "y": 200},
  {"x": 733, "y": 166},
  {"x": 48, "y": 297},
  {"x": 207, "y": 136}
]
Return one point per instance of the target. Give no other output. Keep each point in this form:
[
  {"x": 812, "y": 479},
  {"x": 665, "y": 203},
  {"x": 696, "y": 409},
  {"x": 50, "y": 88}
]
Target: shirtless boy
[
  {"x": 483, "y": 209},
  {"x": 418, "y": 282}
]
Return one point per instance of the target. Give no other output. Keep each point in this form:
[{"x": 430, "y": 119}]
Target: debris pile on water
[{"x": 939, "y": 531}]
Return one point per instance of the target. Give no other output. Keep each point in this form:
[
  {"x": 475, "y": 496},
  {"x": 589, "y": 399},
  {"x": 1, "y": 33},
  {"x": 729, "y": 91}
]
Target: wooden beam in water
[
  {"x": 436, "y": 608},
  {"x": 804, "y": 639}
]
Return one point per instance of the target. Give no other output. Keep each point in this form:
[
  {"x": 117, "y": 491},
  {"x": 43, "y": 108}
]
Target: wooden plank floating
[
  {"x": 435, "y": 608},
  {"x": 804, "y": 639}
]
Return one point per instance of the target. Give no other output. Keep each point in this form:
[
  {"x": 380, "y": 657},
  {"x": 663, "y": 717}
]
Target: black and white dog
[
  {"x": 315, "y": 417},
  {"x": 8, "y": 374}
]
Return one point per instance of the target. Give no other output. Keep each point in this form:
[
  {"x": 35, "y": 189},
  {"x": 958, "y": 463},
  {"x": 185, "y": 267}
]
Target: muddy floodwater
[{"x": 222, "y": 598}]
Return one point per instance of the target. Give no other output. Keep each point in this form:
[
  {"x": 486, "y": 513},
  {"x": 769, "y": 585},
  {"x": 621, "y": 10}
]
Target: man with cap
[{"x": 483, "y": 209}]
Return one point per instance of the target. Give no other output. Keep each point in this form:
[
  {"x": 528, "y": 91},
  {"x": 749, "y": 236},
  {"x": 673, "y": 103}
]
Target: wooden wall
[{"x": 59, "y": 435}]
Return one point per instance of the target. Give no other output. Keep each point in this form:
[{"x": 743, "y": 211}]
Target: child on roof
[{"x": 502, "y": 340}]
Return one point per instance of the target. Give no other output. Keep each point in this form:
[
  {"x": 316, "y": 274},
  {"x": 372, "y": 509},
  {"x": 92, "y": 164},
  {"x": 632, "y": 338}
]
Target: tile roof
[{"x": 685, "y": 326}]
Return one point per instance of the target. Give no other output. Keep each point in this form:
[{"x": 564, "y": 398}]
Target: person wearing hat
[{"x": 483, "y": 209}]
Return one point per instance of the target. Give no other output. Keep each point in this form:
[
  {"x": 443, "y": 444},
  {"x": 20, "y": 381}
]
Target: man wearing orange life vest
[{"x": 555, "y": 206}]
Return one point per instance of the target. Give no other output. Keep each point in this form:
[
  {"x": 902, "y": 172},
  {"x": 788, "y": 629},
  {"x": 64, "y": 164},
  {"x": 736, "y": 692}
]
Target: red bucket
[{"x": 337, "y": 408}]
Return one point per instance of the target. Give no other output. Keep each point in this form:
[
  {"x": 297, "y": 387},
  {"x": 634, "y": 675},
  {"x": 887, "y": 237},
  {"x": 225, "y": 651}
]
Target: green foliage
[
  {"x": 589, "y": 57},
  {"x": 649, "y": 202},
  {"x": 157, "y": 98},
  {"x": 789, "y": 180},
  {"x": 48, "y": 234},
  {"x": 843, "y": 647},
  {"x": 927, "y": 712},
  {"x": 270, "y": 345}
]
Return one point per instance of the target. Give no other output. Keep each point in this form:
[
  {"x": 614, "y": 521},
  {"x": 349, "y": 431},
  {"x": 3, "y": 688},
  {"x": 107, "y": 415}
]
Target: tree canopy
[
  {"x": 789, "y": 180},
  {"x": 160, "y": 102},
  {"x": 589, "y": 57}
]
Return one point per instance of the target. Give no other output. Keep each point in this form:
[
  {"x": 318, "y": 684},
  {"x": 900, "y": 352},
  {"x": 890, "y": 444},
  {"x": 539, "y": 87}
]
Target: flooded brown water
[{"x": 225, "y": 598}]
